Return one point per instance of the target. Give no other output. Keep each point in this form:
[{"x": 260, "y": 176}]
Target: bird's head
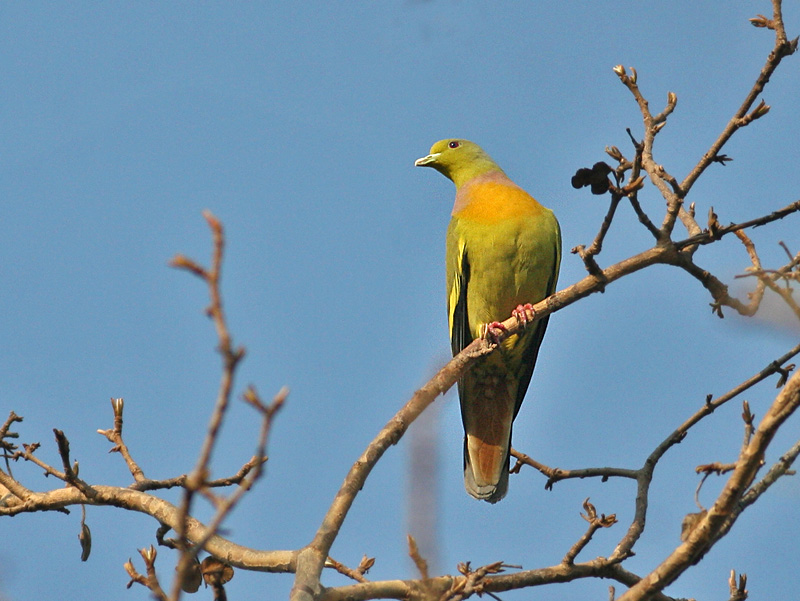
[{"x": 460, "y": 160}]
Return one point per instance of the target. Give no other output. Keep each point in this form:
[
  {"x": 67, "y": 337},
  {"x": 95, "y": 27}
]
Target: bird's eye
[{"x": 454, "y": 144}]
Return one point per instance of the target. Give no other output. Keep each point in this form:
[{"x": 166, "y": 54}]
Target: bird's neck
[{"x": 476, "y": 168}]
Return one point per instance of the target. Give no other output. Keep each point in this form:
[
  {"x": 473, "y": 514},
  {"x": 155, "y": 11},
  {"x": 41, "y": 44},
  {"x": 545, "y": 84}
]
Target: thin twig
[
  {"x": 708, "y": 237},
  {"x": 720, "y": 516},
  {"x": 229, "y": 503},
  {"x": 344, "y": 570},
  {"x": 781, "y": 49},
  {"x": 595, "y": 523},
  {"x": 115, "y": 436},
  {"x": 556, "y": 474},
  {"x": 151, "y": 580}
]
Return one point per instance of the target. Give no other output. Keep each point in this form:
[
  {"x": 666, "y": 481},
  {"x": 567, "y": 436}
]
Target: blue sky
[{"x": 298, "y": 127}]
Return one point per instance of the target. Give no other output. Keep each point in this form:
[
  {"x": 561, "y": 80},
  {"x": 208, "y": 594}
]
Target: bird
[{"x": 503, "y": 252}]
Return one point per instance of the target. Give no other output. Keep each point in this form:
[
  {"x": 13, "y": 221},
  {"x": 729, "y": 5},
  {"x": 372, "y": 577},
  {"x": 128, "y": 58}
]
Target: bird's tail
[
  {"x": 490, "y": 489},
  {"x": 487, "y": 410}
]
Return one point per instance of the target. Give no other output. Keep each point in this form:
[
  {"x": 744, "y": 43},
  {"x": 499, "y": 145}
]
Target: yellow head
[{"x": 460, "y": 160}]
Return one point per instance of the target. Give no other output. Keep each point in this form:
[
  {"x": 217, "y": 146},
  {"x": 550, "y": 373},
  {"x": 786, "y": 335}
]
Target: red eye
[{"x": 454, "y": 144}]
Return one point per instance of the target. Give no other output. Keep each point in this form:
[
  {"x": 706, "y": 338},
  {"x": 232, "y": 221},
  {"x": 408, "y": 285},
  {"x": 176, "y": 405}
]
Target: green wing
[
  {"x": 460, "y": 331},
  {"x": 534, "y": 338}
]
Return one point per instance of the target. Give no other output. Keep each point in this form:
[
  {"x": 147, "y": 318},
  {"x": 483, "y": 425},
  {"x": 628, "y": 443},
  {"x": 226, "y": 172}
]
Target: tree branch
[
  {"x": 782, "y": 48},
  {"x": 720, "y": 515}
]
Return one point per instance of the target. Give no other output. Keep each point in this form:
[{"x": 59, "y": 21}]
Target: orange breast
[{"x": 490, "y": 202}]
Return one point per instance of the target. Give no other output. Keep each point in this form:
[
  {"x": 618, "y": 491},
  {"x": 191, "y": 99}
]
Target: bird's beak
[{"x": 425, "y": 161}]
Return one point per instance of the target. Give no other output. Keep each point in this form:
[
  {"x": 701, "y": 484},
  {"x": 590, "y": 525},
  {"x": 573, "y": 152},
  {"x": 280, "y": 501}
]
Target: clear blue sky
[{"x": 298, "y": 125}]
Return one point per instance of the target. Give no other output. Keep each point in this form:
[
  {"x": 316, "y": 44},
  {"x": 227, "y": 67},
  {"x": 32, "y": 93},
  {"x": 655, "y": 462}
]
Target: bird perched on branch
[{"x": 503, "y": 255}]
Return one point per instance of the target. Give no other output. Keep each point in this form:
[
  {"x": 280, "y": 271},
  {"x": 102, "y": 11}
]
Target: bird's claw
[
  {"x": 492, "y": 331},
  {"x": 524, "y": 314}
]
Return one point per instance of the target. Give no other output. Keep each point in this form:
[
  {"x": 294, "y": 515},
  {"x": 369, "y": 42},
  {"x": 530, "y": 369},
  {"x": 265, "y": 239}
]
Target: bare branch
[
  {"x": 162, "y": 511},
  {"x": 419, "y": 561},
  {"x": 231, "y": 357},
  {"x": 151, "y": 580},
  {"x": 781, "y": 468},
  {"x": 312, "y": 558},
  {"x": 115, "y": 436},
  {"x": 782, "y": 48},
  {"x": 228, "y": 504},
  {"x": 555, "y": 474},
  {"x": 708, "y": 237},
  {"x": 447, "y": 587},
  {"x": 738, "y": 589},
  {"x": 595, "y": 523},
  {"x": 357, "y": 574},
  {"x": 645, "y": 475},
  {"x": 721, "y": 515}
]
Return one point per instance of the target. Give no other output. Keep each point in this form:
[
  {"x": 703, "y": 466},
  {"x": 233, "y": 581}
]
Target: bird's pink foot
[
  {"x": 524, "y": 314},
  {"x": 491, "y": 331}
]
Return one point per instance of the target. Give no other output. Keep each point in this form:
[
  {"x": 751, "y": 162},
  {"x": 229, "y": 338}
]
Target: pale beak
[{"x": 425, "y": 161}]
